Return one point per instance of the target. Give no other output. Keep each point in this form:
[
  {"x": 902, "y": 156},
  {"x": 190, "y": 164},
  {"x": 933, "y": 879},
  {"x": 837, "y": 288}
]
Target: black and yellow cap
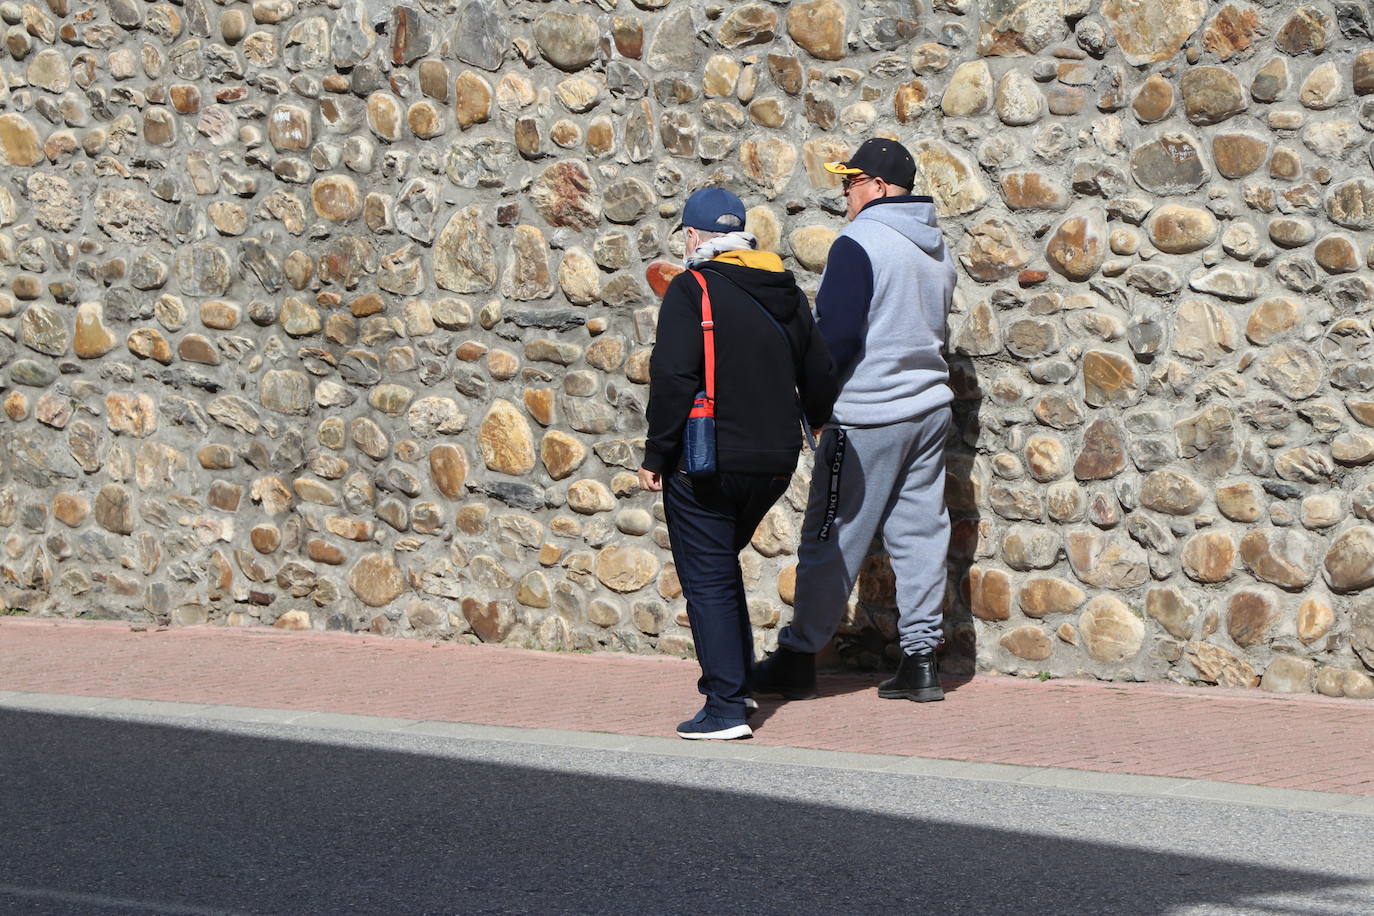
[{"x": 881, "y": 158}]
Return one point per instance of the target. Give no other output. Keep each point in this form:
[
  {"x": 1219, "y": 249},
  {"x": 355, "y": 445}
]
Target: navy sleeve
[
  {"x": 675, "y": 373},
  {"x": 843, "y": 300}
]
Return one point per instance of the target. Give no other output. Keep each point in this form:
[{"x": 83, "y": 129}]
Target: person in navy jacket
[{"x": 772, "y": 369}]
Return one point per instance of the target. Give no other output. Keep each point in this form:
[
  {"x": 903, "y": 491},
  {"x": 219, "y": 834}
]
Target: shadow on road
[{"x": 100, "y": 816}]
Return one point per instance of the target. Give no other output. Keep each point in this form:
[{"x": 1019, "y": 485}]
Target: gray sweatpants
[{"x": 870, "y": 479}]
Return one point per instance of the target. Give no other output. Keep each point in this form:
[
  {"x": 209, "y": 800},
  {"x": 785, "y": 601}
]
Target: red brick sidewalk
[{"x": 1287, "y": 742}]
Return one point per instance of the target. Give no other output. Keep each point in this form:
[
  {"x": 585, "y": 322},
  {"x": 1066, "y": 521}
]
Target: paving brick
[{"x": 1299, "y": 742}]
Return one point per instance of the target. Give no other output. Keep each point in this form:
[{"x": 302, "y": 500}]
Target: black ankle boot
[
  {"x": 917, "y": 678},
  {"x": 791, "y": 674}
]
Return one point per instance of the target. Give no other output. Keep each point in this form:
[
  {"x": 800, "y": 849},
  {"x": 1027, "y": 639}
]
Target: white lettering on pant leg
[{"x": 832, "y": 496}]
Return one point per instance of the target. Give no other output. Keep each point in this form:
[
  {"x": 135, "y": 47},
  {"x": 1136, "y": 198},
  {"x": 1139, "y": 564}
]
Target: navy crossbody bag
[{"x": 699, "y": 438}]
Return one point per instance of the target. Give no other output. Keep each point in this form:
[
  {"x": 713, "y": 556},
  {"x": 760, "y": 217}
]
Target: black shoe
[
  {"x": 917, "y": 678},
  {"x": 790, "y": 674}
]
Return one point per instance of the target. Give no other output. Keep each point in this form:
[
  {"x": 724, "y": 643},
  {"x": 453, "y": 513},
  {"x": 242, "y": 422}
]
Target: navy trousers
[{"x": 709, "y": 523}]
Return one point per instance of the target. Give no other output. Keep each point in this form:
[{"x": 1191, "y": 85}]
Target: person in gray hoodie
[{"x": 880, "y": 468}]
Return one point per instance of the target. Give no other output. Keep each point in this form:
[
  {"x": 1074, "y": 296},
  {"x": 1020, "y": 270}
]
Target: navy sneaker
[{"x": 707, "y": 726}]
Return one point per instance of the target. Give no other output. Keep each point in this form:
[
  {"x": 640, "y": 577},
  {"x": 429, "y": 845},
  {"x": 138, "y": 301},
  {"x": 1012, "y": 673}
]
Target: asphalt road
[{"x": 140, "y": 815}]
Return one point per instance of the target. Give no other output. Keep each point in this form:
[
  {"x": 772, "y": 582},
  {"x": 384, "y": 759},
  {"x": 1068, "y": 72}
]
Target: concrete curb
[{"x": 1047, "y": 777}]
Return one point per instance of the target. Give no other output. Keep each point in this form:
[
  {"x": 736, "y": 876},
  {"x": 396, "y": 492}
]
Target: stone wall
[{"x": 337, "y": 314}]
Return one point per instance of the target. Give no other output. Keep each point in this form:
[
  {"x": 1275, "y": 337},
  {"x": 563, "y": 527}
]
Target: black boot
[
  {"x": 790, "y": 674},
  {"x": 917, "y": 678}
]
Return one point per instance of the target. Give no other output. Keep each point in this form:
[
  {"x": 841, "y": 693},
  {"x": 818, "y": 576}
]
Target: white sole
[
  {"x": 725, "y": 734},
  {"x": 750, "y": 703}
]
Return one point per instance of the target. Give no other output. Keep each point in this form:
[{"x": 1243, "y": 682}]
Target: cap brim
[{"x": 841, "y": 168}]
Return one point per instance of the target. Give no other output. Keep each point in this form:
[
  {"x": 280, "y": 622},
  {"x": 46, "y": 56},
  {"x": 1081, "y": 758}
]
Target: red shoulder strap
[{"x": 708, "y": 333}]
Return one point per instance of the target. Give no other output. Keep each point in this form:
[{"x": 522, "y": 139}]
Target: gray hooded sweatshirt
[{"x": 882, "y": 307}]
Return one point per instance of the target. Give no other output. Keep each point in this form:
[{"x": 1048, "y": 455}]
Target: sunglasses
[{"x": 849, "y": 181}]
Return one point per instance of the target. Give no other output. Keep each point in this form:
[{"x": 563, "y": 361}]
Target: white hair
[{"x": 725, "y": 219}]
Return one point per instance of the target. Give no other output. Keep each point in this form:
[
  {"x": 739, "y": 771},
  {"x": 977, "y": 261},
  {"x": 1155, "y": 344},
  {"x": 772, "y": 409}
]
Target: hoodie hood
[
  {"x": 913, "y": 217},
  {"x": 759, "y": 260},
  {"x": 761, "y": 274}
]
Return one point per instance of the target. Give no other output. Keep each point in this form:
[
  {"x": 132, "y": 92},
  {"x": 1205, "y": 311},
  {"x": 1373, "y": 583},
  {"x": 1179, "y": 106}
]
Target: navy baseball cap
[
  {"x": 881, "y": 158},
  {"x": 707, "y": 209}
]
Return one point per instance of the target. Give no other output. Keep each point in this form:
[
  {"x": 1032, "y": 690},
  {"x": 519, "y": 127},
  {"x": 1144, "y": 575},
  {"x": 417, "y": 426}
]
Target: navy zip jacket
[{"x": 759, "y": 374}]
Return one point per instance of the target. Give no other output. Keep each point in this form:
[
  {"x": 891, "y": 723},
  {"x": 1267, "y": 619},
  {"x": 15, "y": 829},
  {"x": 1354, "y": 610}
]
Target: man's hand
[{"x": 652, "y": 481}]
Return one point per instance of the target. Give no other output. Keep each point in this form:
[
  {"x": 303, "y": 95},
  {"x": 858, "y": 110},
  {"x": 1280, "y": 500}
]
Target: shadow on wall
[
  {"x": 868, "y": 637},
  {"x": 105, "y": 816}
]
